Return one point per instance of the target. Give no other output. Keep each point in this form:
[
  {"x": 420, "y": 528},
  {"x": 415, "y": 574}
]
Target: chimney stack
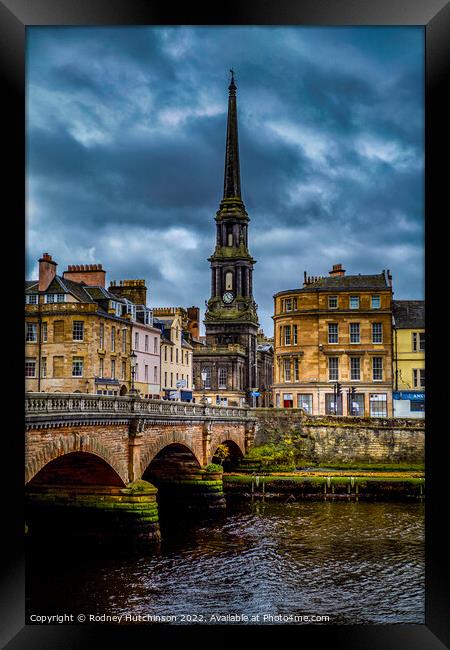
[
  {"x": 134, "y": 290},
  {"x": 47, "y": 271},
  {"x": 337, "y": 270},
  {"x": 91, "y": 274}
]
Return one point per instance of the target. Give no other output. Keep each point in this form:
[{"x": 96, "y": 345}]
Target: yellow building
[
  {"x": 335, "y": 333},
  {"x": 77, "y": 336},
  {"x": 176, "y": 352},
  {"x": 409, "y": 358}
]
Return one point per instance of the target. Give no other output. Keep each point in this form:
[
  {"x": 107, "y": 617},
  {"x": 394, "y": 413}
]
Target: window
[
  {"x": 419, "y": 378},
  {"x": 171, "y": 379},
  {"x": 356, "y": 405},
  {"x": 30, "y": 367},
  {"x": 287, "y": 334},
  {"x": 377, "y": 368},
  {"x": 277, "y": 400},
  {"x": 124, "y": 369},
  {"x": 31, "y": 332},
  {"x": 332, "y": 302},
  {"x": 222, "y": 377},
  {"x": 418, "y": 341},
  {"x": 146, "y": 343},
  {"x": 176, "y": 355},
  {"x": 44, "y": 332},
  {"x": 58, "y": 366},
  {"x": 113, "y": 339},
  {"x": 31, "y": 299},
  {"x": 155, "y": 345},
  {"x": 101, "y": 366},
  {"x": 288, "y": 402},
  {"x": 354, "y": 302},
  {"x": 378, "y": 405},
  {"x": 136, "y": 341},
  {"x": 376, "y": 302},
  {"x": 354, "y": 333},
  {"x": 288, "y": 304},
  {"x": 333, "y": 368},
  {"x": 146, "y": 372},
  {"x": 304, "y": 401},
  {"x": 417, "y": 405},
  {"x": 377, "y": 333},
  {"x": 101, "y": 335},
  {"x": 333, "y": 333},
  {"x": 124, "y": 341},
  {"x": 165, "y": 353},
  {"x": 113, "y": 368},
  {"x": 77, "y": 367},
  {"x": 294, "y": 334},
  {"x": 208, "y": 377},
  {"x": 333, "y": 407},
  {"x": 155, "y": 375},
  {"x": 136, "y": 372},
  {"x": 228, "y": 281},
  {"x": 171, "y": 355},
  {"x": 78, "y": 330},
  {"x": 165, "y": 379},
  {"x": 296, "y": 370},
  {"x": 355, "y": 368},
  {"x": 287, "y": 370},
  {"x": 55, "y": 297},
  {"x": 43, "y": 366},
  {"x": 229, "y": 236}
]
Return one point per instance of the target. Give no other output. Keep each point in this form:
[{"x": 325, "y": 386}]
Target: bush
[{"x": 213, "y": 467}]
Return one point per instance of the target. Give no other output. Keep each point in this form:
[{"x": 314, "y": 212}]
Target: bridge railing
[{"x": 52, "y": 403}]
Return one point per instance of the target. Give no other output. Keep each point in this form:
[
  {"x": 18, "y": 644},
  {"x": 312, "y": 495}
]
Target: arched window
[
  {"x": 222, "y": 377},
  {"x": 229, "y": 235},
  {"x": 228, "y": 281}
]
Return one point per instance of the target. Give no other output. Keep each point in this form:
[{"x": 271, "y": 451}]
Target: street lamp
[
  {"x": 204, "y": 375},
  {"x": 133, "y": 362}
]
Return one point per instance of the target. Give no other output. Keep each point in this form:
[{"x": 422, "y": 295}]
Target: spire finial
[{"x": 232, "y": 86}]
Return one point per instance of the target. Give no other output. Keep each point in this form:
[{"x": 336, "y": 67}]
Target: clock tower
[{"x": 230, "y": 355}]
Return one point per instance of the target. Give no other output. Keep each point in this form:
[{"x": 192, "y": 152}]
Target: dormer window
[
  {"x": 31, "y": 299},
  {"x": 148, "y": 317},
  {"x": 55, "y": 297},
  {"x": 354, "y": 302}
]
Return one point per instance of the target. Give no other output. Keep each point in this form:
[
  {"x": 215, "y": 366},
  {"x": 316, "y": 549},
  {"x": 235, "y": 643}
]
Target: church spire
[{"x": 232, "y": 180}]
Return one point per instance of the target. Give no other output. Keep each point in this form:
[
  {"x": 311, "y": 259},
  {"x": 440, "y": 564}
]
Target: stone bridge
[{"x": 107, "y": 454}]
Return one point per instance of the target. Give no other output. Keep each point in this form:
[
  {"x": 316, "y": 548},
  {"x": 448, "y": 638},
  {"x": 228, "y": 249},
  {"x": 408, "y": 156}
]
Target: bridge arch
[
  {"x": 64, "y": 445},
  {"x": 233, "y": 439},
  {"x": 165, "y": 440}
]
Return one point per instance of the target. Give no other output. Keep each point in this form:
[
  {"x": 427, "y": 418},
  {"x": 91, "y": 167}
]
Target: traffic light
[{"x": 338, "y": 389}]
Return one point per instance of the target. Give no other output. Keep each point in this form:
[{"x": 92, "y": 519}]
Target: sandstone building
[
  {"x": 335, "y": 329},
  {"x": 77, "y": 334},
  {"x": 176, "y": 352}
]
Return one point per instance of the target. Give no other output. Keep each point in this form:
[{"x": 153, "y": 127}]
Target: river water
[{"x": 355, "y": 562}]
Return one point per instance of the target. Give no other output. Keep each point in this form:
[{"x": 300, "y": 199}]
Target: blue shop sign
[{"x": 402, "y": 394}]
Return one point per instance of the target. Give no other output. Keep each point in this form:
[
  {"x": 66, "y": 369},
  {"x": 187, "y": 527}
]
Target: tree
[{"x": 222, "y": 453}]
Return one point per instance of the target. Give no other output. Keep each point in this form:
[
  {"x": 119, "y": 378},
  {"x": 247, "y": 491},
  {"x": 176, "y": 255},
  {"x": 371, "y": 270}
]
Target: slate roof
[
  {"x": 31, "y": 286},
  {"x": 409, "y": 314},
  {"x": 344, "y": 283},
  {"x": 100, "y": 293}
]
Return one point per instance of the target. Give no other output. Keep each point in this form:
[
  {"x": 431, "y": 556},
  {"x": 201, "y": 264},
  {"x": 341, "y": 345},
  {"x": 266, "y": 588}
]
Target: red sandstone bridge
[{"x": 91, "y": 450}]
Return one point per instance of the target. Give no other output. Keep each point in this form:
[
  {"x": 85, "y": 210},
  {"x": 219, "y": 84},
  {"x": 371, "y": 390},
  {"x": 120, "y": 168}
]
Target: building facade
[
  {"x": 229, "y": 357},
  {"x": 409, "y": 358},
  {"x": 145, "y": 337},
  {"x": 335, "y": 330},
  {"x": 176, "y": 352},
  {"x": 77, "y": 335}
]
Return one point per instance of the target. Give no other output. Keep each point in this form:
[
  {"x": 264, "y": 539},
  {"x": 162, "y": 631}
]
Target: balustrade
[{"x": 41, "y": 403}]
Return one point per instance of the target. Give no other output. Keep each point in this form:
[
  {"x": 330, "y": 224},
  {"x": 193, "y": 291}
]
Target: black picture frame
[{"x": 15, "y": 17}]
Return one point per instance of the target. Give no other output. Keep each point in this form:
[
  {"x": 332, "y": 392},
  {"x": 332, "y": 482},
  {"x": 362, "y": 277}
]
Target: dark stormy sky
[{"x": 126, "y": 143}]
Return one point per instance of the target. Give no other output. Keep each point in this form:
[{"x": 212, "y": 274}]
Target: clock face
[{"x": 228, "y": 297}]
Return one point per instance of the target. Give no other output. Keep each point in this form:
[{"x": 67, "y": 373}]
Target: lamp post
[
  {"x": 204, "y": 375},
  {"x": 133, "y": 362}
]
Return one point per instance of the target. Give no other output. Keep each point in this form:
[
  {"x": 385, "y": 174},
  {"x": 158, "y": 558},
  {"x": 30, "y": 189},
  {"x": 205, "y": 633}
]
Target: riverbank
[{"x": 312, "y": 484}]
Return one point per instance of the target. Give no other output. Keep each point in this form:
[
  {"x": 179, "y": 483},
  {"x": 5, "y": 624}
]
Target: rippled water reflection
[{"x": 355, "y": 562}]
